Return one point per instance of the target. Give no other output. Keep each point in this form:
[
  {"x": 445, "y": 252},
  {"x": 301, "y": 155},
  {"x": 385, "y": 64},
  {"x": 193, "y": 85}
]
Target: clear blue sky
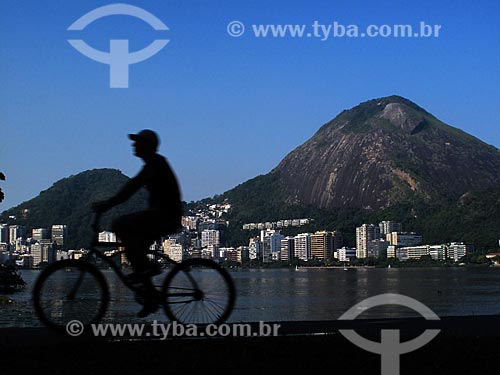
[{"x": 227, "y": 109}]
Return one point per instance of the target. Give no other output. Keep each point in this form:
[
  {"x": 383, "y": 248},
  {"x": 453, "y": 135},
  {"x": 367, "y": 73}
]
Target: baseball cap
[{"x": 146, "y": 135}]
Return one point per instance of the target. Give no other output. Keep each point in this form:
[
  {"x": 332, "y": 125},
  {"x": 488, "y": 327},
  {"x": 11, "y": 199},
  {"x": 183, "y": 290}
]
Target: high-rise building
[
  {"x": 287, "y": 248},
  {"x": 376, "y": 248},
  {"x": 388, "y": 226},
  {"x": 271, "y": 240},
  {"x": 173, "y": 249},
  {"x": 255, "y": 249},
  {"x": 338, "y": 240},
  {"x": 210, "y": 237},
  {"x": 15, "y": 232},
  {"x": 243, "y": 255},
  {"x": 302, "y": 246},
  {"x": 4, "y": 233},
  {"x": 364, "y": 234},
  {"x": 214, "y": 224},
  {"x": 43, "y": 252},
  {"x": 275, "y": 242},
  {"x": 39, "y": 234},
  {"x": 322, "y": 245},
  {"x": 59, "y": 234}
]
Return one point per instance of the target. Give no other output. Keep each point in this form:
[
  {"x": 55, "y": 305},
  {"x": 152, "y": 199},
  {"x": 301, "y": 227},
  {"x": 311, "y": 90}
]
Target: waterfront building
[
  {"x": 210, "y": 237},
  {"x": 4, "y": 233},
  {"x": 173, "y": 249},
  {"x": 376, "y": 248},
  {"x": 322, "y": 245},
  {"x": 233, "y": 255},
  {"x": 364, "y": 234},
  {"x": 15, "y": 232},
  {"x": 255, "y": 249},
  {"x": 346, "y": 254},
  {"x": 106, "y": 236},
  {"x": 43, "y": 252},
  {"x": 38, "y": 234},
  {"x": 302, "y": 246},
  {"x": 59, "y": 234},
  {"x": 436, "y": 252},
  {"x": 404, "y": 239},
  {"x": 271, "y": 240},
  {"x": 457, "y": 250},
  {"x": 388, "y": 226},
  {"x": 243, "y": 255},
  {"x": 338, "y": 240},
  {"x": 214, "y": 224},
  {"x": 287, "y": 248}
]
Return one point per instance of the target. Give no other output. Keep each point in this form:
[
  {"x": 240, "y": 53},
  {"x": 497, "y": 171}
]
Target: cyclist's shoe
[{"x": 149, "y": 308}]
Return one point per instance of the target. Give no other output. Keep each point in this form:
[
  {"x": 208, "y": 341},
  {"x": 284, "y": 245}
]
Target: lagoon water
[{"x": 309, "y": 294}]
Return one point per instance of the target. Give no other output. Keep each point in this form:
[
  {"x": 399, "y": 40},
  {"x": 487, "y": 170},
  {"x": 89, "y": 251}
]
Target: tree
[{"x": 2, "y": 195}]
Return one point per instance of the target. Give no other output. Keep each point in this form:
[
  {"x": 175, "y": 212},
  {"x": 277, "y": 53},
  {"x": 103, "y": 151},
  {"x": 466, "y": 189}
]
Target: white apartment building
[
  {"x": 106, "y": 236},
  {"x": 345, "y": 254},
  {"x": 364, "y": 234},
  {"x": 210, "y": 237},
  {"x": 456, "y": 250},
  {"x": 302, "y": 246},
  {"x": 43, "y": 251}
]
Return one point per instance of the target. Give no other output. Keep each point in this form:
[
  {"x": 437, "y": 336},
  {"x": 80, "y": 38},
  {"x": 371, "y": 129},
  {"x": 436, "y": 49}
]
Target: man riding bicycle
[{"x": 139, "y": 230}]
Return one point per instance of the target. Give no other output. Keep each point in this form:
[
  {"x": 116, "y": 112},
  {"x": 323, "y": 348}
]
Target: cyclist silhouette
[{"x": 139, "y": 230}]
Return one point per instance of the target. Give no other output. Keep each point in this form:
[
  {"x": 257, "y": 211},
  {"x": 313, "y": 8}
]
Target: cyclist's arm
[{"x": 129, "y": 189}]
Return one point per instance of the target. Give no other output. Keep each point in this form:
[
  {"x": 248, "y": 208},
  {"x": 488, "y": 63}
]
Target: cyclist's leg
[{"x": 135, "y": 232}]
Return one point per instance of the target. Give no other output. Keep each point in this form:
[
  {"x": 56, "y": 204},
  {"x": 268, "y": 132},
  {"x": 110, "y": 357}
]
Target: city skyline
[
  {"x": 242, "y": 102},
  {"x": 200, "y": 238}
]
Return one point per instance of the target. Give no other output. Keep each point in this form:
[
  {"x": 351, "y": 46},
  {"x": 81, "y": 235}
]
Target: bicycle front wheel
[
  {"x": 70, "y": 295},
  {"x": 198, "y": 291}
]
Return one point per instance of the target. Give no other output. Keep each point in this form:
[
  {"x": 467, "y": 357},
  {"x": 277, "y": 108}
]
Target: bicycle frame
[{"x": 93, "y": 250}]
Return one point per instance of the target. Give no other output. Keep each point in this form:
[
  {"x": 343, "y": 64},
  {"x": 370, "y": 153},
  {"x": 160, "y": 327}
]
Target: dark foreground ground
[{"x": 465, "y": 345}]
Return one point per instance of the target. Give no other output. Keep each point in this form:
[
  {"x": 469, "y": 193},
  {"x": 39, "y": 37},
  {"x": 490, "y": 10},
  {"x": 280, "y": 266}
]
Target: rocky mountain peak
[{"x": 384, "y": 151}]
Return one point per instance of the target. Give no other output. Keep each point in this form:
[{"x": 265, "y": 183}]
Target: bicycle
[{"x": 194, "y": 291}]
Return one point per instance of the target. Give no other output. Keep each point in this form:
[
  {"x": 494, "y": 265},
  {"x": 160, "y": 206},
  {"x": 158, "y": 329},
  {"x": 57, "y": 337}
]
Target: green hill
[{"x": 68, "y": 202}]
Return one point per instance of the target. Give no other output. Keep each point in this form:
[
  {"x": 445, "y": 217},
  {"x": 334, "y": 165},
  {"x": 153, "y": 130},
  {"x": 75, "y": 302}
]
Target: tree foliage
[{"x": 68, "y": 202}]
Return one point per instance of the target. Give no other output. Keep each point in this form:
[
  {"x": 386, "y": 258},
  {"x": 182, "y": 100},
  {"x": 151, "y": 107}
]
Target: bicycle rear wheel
[
  {"x": 198, "y": 291},
  {"x": 70, "y": 295}
]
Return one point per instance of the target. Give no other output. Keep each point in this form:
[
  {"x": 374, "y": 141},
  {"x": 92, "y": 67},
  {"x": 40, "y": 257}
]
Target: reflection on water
[
  {"x": 311, "y": 294},
  {"x": 322, "y": 294}
]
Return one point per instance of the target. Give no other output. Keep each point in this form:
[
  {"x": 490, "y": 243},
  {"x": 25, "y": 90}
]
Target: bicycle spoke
[
  {"x": 70, "y": 290},
  {"x": 198, "y": 291}
]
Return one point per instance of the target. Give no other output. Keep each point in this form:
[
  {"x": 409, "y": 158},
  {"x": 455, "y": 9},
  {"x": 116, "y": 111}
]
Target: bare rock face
[{"x": 385, "y": 151}]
